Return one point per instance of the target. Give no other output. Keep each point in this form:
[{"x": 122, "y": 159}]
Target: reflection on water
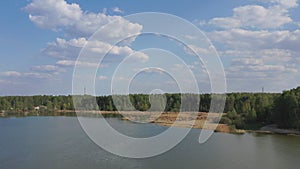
[
  {"x": 59, "y": 142},
  {"x": 59, "y": 113}
]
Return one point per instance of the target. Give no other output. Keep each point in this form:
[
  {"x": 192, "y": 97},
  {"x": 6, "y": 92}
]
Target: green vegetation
[
  {"x": 30, "y": 103},
  {"x": 243, "y": 110},
  {"x": 287, "y": 109}
]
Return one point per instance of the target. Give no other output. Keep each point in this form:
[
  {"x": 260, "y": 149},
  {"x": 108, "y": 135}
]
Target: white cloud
[
  {"x": 117, "y": 10},
  {"x": 260, "y": 67},
  {"x": 11, "y": 73},
  {"x": 268, "y": 55},
  {"x": 291, "y": 41},
  {"x": 283, "y": 3},
  {"x": 139, "y": 56},
  {"x": 48, "y": 69},
  {"x": 273, "y": 68},
  {"x": 16, "y": 74},
  {"x": 256, "y": 68},
  {"x": 64, "y": 49},
  {"x": 103, "y": 48},
  {"x": 225, "y": 22},
  {"x": 247, "y": 61},
  {"x": 260, "y": 58},
  {"x": 275, "y": 15},
  {"x": 71, "y": 63},
  {"x": 66, "y": 62},
  {"x": 69, "y": 50},
  {"x": 254, "y": 16},
  {"x": 276, "y": 55},
  {"x": 53, "y": 14},
  {"x": 153, "y": 70},
  {"x": 78, "y": 63},
  {"x": 254, "y": 42},
  {"x": 77, "y": 26},
  {"x": 59, "y": 15},
  {"x": 259, "y": 44},
  {"x": 254, "y": 72},
  {"x": 261, "y": 39},
  {"x": 117, "y": 30}
]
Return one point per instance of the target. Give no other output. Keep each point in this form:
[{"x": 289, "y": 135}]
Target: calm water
[{"x": 60, "y": 143}]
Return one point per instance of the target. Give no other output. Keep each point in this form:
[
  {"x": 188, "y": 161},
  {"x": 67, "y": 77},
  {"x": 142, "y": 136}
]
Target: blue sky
[{"x": 257, "y": 41}]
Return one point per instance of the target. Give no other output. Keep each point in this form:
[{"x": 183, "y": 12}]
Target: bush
[
  {"x": 226, "y": 120},
  {"x": 239, "y": 122}
]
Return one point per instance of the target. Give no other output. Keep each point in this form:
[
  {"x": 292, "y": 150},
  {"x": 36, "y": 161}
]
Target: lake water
[{"x": 60, "y": 143}]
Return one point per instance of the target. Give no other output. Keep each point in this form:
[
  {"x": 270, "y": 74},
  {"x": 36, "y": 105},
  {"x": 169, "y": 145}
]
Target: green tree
[
  {"x": 287, "y": 110},
  {"x": 251, "y": 115},
  {"x": 4, "y": 104}
]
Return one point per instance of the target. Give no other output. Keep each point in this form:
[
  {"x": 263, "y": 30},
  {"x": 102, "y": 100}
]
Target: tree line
[{"x": 243, "y": 110}]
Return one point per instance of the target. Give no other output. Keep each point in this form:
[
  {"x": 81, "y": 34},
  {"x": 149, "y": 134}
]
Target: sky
[{"x": 257, "y": 42}]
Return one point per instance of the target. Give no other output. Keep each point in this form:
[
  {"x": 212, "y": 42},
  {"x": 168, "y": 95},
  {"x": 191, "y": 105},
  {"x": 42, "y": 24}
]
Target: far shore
[{"x": 198, "y": 120}]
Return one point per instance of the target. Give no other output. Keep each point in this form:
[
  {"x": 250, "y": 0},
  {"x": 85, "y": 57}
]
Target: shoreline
[
  {"x": 196, "y": 120},
  {"x": 273, "y": 129}
]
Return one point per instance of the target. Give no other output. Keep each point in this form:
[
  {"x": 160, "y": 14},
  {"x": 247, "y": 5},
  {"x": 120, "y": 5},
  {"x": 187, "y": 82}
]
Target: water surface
[{"x": 60, "y": 143}]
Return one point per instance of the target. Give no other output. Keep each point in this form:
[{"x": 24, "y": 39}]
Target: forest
[{"x": 242, "y": 110}]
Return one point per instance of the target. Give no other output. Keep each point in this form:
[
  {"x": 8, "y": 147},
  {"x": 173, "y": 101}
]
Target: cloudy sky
[{"x": 257, "y": 41}]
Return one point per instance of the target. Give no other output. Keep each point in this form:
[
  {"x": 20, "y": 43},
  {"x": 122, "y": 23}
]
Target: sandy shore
[{"x": 200, "y": 120}]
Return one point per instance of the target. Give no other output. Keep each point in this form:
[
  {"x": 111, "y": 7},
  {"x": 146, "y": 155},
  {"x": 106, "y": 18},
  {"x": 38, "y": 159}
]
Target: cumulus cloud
[
  {"x": 53, "y": 14},
  {"x": 69, "y": 49},
  {"x": 77, "y": 25},
  {"x": 59, "y": 15},
  {"x": 276, "y": 14},
  {"x": 64, "y": 49},
  {"x": 254, "y": 16}
]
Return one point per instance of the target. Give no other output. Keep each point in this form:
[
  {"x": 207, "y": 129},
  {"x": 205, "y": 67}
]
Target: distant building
[{"x": 40, "y": 107}]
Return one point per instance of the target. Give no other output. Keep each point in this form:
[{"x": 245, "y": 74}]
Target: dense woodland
[{"x": 243, "y": 110}]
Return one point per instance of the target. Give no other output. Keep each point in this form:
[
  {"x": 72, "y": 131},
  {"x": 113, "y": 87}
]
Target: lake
[{"x": 60, "y": 143}]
